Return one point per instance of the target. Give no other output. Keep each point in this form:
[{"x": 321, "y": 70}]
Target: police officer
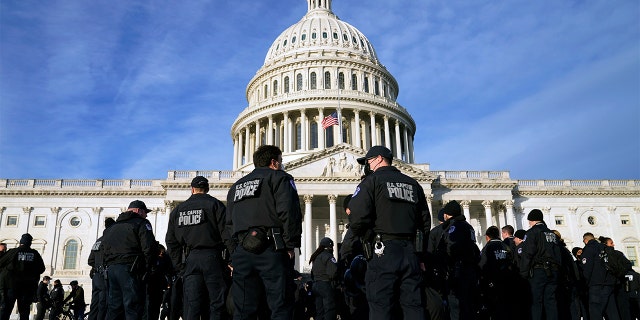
[
  {"x": 463, "y": 257},
  {"x": 263, "y": 214},
  {"x": 42, "y": 295},
  {"x": 98, "y": 308},
  {"x": 496, "y": 269},
  {"x": 540, "y": 262},
  {"x": 436, "y": 272},
  {"x": 77, "y": 300},
  {"x": 129, "y": 253},
  {"x": 22, "y": 266},
  {"x": 56, "y": 296},
  {"x": 599, "y": 281},
  {"x": 324, "y": 272},
  {"x": 197, "y": 226},
  {"x": 393, "y": 207}
]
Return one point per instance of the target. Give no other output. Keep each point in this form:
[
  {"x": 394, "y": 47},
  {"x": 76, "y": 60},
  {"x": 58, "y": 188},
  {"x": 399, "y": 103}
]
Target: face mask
[{"x": 367, "y": 169}]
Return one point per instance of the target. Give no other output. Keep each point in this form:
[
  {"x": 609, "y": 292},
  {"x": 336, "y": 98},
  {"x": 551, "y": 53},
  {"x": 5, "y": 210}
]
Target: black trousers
[
  {"x": 394, "y": 277},
  {"x": 325, "y": 300},
  {"x": 23, "y": 296},
  {"x": 543, "y": 294},
  {"x": 266, "y": 273},
  {"x": 126, "y": 293},
  {"x": 204, "y": 288},
  {"x": 99, "y": 293}
]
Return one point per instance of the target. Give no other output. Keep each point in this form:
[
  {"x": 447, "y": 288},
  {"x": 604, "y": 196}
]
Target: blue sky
[{"x": 131, "y": 89}]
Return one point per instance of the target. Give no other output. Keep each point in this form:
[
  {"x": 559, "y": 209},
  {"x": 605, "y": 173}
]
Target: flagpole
[{"x": 339, "y": 117}]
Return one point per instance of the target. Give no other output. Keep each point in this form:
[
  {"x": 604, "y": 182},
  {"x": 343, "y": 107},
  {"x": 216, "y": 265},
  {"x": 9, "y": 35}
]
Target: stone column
[
  {"x": 308, "y": 245},
  {"x": 406, "y": 144},
  {"x": 270, "y": 131},
  {"x": 410, "y": 152},
  {"x": 321, "y": 143},
  {"x": 235, "y": 152},
  {"x": 358, "y": 139},
  {"x": 373, "y": 129},
  {"x": 465, "y": 208},
  {"x": 287, "y": 137},
  {"x": 240, "y": 148},
  {"x": 551, "y": 223},
  {"x": 247, "y": 152},
  {"x": 434, "y": 215},
  {"x": 317, "y": 236},
  {"x": 387, "y": 136},
  {"x": 257, "y": 144},
  {"x": 487, "y": 213},
  {"x": 333, "y": 226},
  {"x": 398, "y": 144},
  {"x": 303, "y": 130},
  {"x": 511, "y": 218}
]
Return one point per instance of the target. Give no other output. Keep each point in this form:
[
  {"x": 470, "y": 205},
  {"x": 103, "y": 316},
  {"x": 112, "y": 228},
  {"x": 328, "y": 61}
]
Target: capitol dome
[{"x": 321, "y": 68}]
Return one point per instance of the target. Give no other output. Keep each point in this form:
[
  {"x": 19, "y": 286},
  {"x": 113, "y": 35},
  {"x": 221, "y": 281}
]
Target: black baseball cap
[
  {"x": 376, "y": 151},
  {"x": 200, "y": 182},
  {"x": 139, "y": 204}
]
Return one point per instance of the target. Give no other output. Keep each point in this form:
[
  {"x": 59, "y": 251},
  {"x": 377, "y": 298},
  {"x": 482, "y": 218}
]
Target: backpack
[{"x": 614, "y": 261}]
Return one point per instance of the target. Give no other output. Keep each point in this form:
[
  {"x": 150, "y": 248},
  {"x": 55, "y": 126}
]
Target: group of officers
[{"x": 237, "y": 260}]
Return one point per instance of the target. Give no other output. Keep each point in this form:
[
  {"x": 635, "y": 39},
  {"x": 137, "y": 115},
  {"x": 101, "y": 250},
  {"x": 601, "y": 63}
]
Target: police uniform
[
  {"x": 599, "y": 281},
  {"x": 463, "y": 256},
  {"x": 540, "y": 262},
  {"x": 263, "y": 208},
  {"x": 324, "y": 271},
  {"x": 99, "y": 293},
  {"x": 394, "y": 207},
  {"x": 129, "y": 253},
  {"x": 496, "y": 267},
  {"x": 198, "y": 227},
  {"x": 23, "y": 267}
]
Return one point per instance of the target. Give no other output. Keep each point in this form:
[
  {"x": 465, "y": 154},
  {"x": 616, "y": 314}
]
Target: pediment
[{"x": 340, "y": 162}]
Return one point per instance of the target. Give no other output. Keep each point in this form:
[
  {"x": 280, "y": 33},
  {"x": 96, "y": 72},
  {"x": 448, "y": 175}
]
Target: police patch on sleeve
[
  {"x": 190, "y": 217},
  {"x": 333, "y": 259},
  {"x": 293, "y": 185},
  {"x": 584, "y": 260},
  {"x": 355, "y": 193},
  {"x": 452, "y": 229},
  {"x": 248, "y": 189},
  {"x": 401, "y": 191},
  {"x": 148, "y": 225}
]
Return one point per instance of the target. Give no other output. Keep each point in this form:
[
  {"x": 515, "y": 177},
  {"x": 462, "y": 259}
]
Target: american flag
[{"x": 330, "y": 120}]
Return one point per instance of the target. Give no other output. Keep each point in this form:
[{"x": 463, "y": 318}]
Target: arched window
[
  {"x": 286, "y": 84},
  {"x": 354, "y": 82},
  {"x": 298, "y": 136},
  {"x": 366, "y": 84},
  {"x": 265, "y": 91},
  {"x": 375, "y": 87},
  {"x": 314, "y": 135},
  {"x": 327, "y": 80},
  {"x": 275, "y": 87},
  {"x": 341, "y": 80},
  {"x": 70, "y": 254},
  {"x": 313, "y": 81},
  {"x": 299, "y": 82}
]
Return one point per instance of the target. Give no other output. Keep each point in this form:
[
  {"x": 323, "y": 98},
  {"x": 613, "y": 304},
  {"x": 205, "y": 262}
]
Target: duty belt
[{"x": 391, "y": 236}]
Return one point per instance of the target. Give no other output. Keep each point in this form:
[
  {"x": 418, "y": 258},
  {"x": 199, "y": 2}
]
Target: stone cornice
[
  {"x": 80, "y": 193},
  {"x": 574, "y": 192},
  {"x": 478, "y": 184}
]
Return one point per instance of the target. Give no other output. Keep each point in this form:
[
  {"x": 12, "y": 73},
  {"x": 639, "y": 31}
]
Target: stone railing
[
  {"x": 466, "y": 175},
  {"x": 578, "y": 183},
  {"x": 210, "y": 174},
  {"x": 78, "y": 183}
]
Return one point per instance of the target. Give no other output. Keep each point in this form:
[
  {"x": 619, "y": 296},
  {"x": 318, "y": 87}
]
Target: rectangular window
[
  {"x": 632, "y": 254},
  {"x": 625, "y": 220},
  {"x": 39, "y": 221},
  {"x": 559, "y": 220},
  {"x": 12, "y": 220}
]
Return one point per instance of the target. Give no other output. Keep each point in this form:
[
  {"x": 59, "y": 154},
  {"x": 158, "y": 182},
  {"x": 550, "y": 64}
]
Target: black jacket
[
  {"x": 593, "y": 268},
  {"x": 21, "y": 267},
  {"x": 265, "y": 198},
  {"x": 496, "y": 262},
  {"x": 324, "y": 267},
  {"x": 129, "y": 238},
  {"x": 460, "y": 242},
  {"x": 539, "y": 247},
  {"x": 389, "y": 202},
  {"x": 43, "y": 293},
  {"x": 197, "y": 223}
]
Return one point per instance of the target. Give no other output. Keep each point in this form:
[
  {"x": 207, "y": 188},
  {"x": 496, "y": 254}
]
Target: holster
[
  {"x": 367, "y": 245},
  {"x": 278, "y": 240}
]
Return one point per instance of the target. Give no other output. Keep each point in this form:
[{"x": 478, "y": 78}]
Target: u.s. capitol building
[{"x": 319, "y": 66}]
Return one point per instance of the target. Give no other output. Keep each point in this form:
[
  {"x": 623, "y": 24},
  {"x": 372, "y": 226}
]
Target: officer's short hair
[
  {"x": 588, "y": 236},
  {"x": 263, "y": 156},
  {"x": 493, "y": 232},
  {"x": 508, "y": 229}
]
